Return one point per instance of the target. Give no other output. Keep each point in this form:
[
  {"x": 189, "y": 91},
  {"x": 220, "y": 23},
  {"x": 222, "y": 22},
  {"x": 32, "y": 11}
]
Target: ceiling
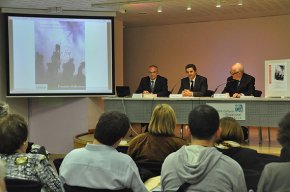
[{"x": 144, "y": 12}]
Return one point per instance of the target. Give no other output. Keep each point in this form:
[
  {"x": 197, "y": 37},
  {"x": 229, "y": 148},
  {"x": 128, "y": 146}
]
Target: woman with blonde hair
[
  {"x": 160, "y": 140},
  {"x": 156, "y": 144},
  {"x": 230, "y": 144}
]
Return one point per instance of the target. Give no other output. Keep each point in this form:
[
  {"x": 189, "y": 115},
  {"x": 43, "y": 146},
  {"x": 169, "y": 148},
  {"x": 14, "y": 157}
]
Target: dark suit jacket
[
  {"x": 246, "y": 86},
  {"x": 199, "y": 88},
  {"x": 160, "y": 86}
]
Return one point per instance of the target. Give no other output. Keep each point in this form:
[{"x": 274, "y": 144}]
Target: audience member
[
  {"x": 194, "y": 84},
  {"x": 230, "y": 144},
  {"x": 239, "y": 83},
  {"x": 21, "y": 165},
  {"x": 156, "y": 144},
  {"x": 2, "y": 176},
  {"x": 275, "y": 175},
  {"x": 284, "y": 138},
  {"x": 32, "y": 147},
  {"x": 99, "y": 165},
  {"x": 200, "y": 164},
  {"x": 154, "y": 83}
]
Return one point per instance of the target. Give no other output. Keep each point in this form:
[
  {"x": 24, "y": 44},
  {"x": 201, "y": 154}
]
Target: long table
[{"x": 261, "y": 112}]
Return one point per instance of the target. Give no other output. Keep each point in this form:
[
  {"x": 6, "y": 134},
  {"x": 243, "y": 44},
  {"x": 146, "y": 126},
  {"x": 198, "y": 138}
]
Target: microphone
[
  {"x": 223, "y": 84},
  {"x": 174, "y": 87}
]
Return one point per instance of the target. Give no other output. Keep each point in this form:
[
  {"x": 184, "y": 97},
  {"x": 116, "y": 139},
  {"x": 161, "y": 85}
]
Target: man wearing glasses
[
  {"x": 239, "y": 83},
  {"x": 153, "y": 83}
]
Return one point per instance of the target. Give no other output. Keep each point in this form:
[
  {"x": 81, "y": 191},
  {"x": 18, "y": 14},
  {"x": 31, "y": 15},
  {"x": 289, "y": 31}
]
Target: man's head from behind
[
  {"x": 111, "y": 127},
  {"x": 203, "y": 122}
]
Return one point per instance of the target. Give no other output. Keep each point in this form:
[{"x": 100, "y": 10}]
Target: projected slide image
[{"x": 60, "y": 55}]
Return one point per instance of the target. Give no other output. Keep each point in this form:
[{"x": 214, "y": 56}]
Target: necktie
[
  {"x": 191, "y": 85},
  {"x": 152, "y": 86}
]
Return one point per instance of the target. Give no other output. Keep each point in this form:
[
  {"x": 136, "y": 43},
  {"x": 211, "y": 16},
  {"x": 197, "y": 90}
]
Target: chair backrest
[
  {"x": 20, "y": 185},
  {"x": 57, "y": 163},
  {"x": 209, "y": 93},
  {"x": 257, "y": 93},
  {"x": 70, "y": 188},
  {"x": 149, "y": 169},
  {"x": 252, "y": 178}
]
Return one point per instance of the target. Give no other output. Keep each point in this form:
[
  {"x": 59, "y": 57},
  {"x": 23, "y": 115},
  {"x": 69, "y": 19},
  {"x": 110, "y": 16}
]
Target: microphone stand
[
  {"x": 222, "y": 84},
  {"x": 173, "y": 87}
]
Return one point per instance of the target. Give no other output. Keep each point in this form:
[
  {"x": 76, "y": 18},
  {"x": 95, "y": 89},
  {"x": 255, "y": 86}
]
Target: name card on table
[
  {"x": 234, "y": 110},
  {"x": 175, "y": 96},
  {"x": 149, "y": 95},
  {"x": 221, "y": 95},
  {"x": 137, "y": 95}
]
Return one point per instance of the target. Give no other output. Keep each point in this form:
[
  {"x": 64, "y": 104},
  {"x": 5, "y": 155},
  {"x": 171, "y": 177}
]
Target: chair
[
  {"x": 57, "y": 163},
  {"x": 257, "y": 93},
  {"x": 20, "y": 185},
  {"x": 209, "y": 93},
  {"x": 252, "y": 178},
  {"x": 70, "y": 188},
  {"x": 149, "y": 169}
]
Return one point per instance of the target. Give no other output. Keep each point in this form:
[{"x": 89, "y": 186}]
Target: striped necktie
[{"x": 152, "y": 86}]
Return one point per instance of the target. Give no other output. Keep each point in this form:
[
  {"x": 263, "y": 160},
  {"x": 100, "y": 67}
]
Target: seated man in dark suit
[
  {"x": 153, "y": 83},
  {"x": 239, "y": 83},
  {"x": 193, "y": 85}
]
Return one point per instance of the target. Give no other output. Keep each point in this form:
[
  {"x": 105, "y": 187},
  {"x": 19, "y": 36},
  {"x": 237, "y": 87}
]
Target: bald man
[{"x": 239, "y": 83}]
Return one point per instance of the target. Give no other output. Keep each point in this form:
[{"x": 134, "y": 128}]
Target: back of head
[
  {"x": 111, "y": 127},
  {"x": 4, "y": 109},
  {"x": 203, "y": 122},
  {"x": 231, "y": 130},
  {"x": 163, "y": 120},
  {"x": 284, "y": 131},
  {"x": 13, "y": 133}
]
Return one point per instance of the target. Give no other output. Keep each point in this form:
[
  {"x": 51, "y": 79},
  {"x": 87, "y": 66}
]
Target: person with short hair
[
  {"x": 194, "y": 84},
  {"x": 153, "y": 83},
  {"x": 22, "y": 165},
  {"x": 2, "y": 176},
  {"x": 275, "y": 176},
  {"x": 32, "y": 147},
  {"x": 239, "y": 83},
  {"x": 156, "y": 144},
  {"x": 230, "y": 144},
  {"x": 99, "y": 165},
  {"x": 200, "y": 165}
]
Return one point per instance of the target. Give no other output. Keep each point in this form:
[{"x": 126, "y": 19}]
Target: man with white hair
[{"x": 239, "y": 83}]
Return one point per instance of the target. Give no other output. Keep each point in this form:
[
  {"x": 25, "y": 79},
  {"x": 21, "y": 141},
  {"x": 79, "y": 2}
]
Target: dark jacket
[
  {"x": 160, "y": 86},
  {"x": 199, "y": 88},
  {"x": 246, "y": 85}
]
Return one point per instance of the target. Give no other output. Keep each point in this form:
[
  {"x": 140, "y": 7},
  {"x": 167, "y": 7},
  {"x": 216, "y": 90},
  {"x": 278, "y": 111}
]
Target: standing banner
[{"x": 277, "y": 73}]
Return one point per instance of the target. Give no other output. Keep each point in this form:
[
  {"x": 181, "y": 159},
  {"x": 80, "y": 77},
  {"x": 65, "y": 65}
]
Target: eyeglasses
[{"x": 234, "y": 72}]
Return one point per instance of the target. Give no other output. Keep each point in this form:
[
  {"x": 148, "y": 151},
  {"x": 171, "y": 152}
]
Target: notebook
[{"x": 123, "y": 91}]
